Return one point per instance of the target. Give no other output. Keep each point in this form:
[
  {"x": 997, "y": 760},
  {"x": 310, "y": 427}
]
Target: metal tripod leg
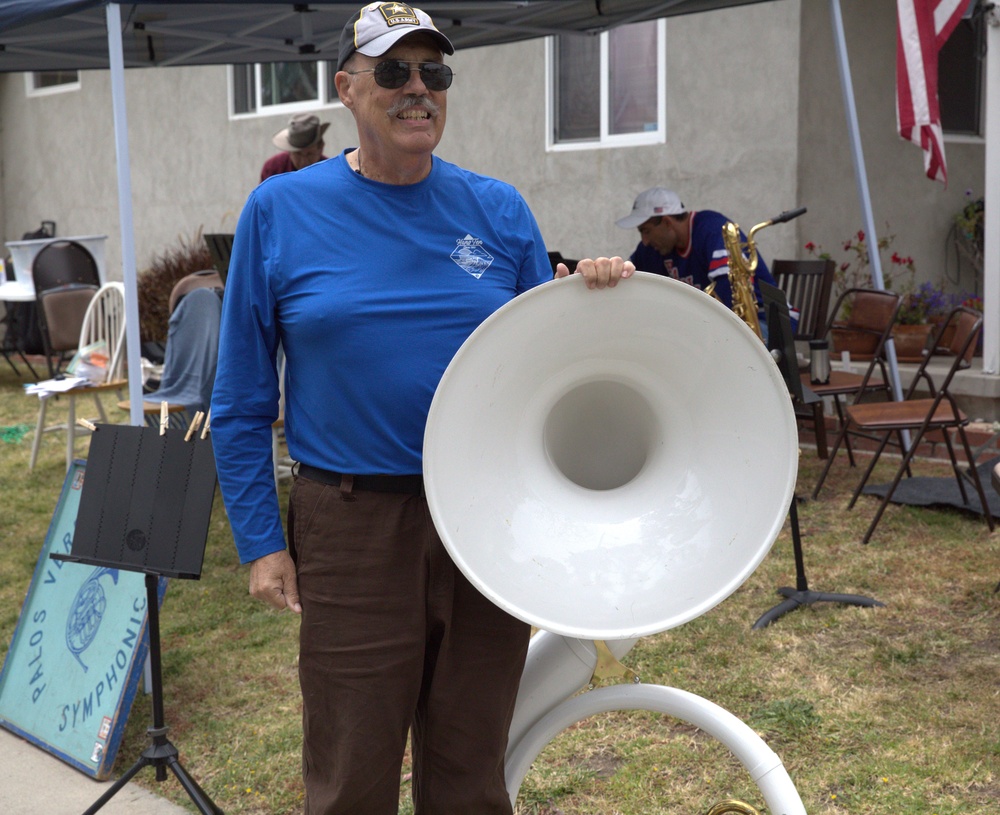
[
  {"x": 161, "y": 753},
  {"x": 801, "y": 594}
]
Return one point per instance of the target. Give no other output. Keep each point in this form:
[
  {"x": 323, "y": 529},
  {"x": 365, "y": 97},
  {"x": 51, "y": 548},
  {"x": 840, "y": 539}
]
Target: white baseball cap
[
  {"x": 653, "y": 203},
  {"x": 375, "y": 28}
]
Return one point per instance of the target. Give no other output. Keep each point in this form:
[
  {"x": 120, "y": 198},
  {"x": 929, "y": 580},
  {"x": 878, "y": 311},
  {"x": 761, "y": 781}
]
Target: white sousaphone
[{"x": 606, "y": 466}]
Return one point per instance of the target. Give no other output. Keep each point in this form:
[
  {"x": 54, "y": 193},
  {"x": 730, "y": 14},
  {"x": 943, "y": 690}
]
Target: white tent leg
[
  {"x": 991, "y": 216},
  {"x": 861, "y": 179},
  {"x": 133, "y": 353}
]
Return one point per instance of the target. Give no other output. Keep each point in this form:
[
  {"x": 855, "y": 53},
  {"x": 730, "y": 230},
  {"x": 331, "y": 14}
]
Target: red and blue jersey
[{"x": 704, "y": 260}]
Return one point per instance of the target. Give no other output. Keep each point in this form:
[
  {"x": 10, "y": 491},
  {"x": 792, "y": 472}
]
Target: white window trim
[
  {"x": 31, "y": 90},
  {"x": 606, "y": 140},
  {"x": 963, "y": 138},
  {"x": 263, "y": 112}
]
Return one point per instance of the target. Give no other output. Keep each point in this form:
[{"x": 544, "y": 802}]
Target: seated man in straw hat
[{"x": 301, "y": 144}]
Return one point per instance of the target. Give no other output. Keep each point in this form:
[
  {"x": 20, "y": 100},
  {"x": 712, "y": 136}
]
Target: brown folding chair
[
  {"x": 872, "y": 313},
  {"x": 922, "y": 414},
  {"x": 807, "y": 285},
  {"x": 60, "y": 265},
  {"x": 205, "y": 279},
  {"x": 60, "y": 318}
]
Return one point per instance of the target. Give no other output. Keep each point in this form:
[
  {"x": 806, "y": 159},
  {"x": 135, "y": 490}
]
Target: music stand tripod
[
  {"x": 145, "y": 507},
  {"x": 781, "y": 345}
]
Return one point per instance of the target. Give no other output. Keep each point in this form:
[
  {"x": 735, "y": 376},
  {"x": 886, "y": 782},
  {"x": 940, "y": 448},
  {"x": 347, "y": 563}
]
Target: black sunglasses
[{"x": 394, "y": 73}]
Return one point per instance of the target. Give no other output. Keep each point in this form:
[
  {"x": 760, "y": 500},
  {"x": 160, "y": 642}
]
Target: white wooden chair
[{"x": 103, "y": 322}]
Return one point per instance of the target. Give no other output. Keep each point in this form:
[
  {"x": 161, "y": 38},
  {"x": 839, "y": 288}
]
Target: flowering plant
[
  {"x": 968, "y": 230},
  {"x": 969, "y": 301},
  {"x": 855, "y": 273},
  {"x": 926, "y": 302},
  {"x": 969, "y": 220}
]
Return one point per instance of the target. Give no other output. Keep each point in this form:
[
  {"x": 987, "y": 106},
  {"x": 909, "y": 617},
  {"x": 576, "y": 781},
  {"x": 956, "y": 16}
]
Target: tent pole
[
  {"x": 991, "y": 215},
  {"x": 861, "y": 177},
  {"x": 133, "y": 352}
]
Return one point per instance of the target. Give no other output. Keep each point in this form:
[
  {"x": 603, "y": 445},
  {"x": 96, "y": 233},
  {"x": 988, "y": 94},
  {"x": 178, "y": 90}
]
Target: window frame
[
  {"x": 31, "y": 89},
  {"x": 324, "y": 88},
  {"x": 605, "y": 139},
  {"x": 962, "y": 137}
]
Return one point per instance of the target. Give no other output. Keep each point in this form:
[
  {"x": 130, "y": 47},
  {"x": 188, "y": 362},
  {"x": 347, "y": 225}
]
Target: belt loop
[{"x": 346, "y": 487}]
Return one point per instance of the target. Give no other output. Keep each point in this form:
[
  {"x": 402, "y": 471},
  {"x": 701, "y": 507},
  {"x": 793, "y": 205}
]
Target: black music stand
[
  {"x": 145, "y": 507},
  {"x": 781, "y": 344}
]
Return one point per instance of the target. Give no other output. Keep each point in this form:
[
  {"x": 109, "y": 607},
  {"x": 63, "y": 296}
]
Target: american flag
[{"x": 923, "y": 27}]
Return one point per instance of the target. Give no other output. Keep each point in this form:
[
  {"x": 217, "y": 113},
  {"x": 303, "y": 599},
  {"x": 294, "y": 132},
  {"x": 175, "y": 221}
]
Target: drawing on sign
[{"x": 87, "y": 612}]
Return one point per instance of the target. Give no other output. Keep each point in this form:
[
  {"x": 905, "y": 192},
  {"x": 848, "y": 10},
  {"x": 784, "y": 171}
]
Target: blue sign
[{"x": 78, "y": 651}]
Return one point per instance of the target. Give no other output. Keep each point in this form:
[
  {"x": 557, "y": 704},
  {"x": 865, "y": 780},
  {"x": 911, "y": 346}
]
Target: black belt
[{"x": 411, "y": 484}]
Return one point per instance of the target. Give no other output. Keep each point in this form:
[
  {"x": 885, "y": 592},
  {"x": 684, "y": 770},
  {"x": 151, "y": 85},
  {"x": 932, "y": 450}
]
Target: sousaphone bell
[{"x": 608, "y": 465}]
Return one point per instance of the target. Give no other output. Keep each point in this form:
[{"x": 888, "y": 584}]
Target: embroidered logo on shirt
[{"x": 472, "y": 256}]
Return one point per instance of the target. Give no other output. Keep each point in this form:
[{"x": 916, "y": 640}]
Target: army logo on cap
[{"x": 398, "y": 14}]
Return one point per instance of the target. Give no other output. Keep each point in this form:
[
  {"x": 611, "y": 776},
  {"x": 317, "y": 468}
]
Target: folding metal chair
[
  {"x": 923, "y": 414},
  {"x": 61, "y": 265},
  {"x": 872, "y": 315}
]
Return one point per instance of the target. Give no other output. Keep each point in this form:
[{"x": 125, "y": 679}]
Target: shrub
[{"x": 156, "y": 282}]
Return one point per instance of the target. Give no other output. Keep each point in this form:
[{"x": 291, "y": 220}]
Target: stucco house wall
[
  {"x": 906, "y": 204},
  {"x": 755, "y": 125}
]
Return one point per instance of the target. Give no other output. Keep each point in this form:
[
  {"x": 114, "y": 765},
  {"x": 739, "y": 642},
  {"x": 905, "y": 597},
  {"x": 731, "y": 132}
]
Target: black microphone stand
[
  {"x": 801, "y": 595},
  {"x": 782, "y": 348}
]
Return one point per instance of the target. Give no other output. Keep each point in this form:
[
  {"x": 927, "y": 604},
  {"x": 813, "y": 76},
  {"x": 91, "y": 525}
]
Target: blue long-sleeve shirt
[{"x": 370, "y": 289}]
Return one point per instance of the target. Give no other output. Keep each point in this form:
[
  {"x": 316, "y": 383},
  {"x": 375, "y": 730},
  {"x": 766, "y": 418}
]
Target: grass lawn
[{"x": 874, "y": 711}]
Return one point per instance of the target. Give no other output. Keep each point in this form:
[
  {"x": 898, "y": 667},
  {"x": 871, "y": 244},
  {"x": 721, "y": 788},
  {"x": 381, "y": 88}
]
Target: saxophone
[{"x": 742, "y": 260}]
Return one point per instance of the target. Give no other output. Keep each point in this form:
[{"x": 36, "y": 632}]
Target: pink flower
[
  {"x": 861, "y": 235},
  {"x": 810, "y": 246}
]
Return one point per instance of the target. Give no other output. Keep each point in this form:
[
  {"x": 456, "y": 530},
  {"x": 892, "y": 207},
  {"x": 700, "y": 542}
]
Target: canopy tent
[
  {"x": 74, "y": 34},
  {"x": 71, "y": 34}
]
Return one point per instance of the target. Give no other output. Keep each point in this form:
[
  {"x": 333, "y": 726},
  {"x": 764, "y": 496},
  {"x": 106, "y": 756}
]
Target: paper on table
[{"x": 51, "y": 386}]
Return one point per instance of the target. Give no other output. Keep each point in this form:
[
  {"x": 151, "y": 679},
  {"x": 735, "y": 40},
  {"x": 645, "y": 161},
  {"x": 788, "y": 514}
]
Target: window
[
  {"x": 281, "y": 87},
  {"x": 608, "y": 90},
  {"x": 42, "y": 83},
  {"x": 960, "y": 79}
]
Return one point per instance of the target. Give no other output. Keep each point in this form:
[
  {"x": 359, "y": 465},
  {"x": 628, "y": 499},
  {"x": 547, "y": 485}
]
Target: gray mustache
[{"x": 411, "y": 101}]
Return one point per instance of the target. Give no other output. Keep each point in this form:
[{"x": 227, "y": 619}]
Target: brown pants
[{"x": 393, "y": 636}]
